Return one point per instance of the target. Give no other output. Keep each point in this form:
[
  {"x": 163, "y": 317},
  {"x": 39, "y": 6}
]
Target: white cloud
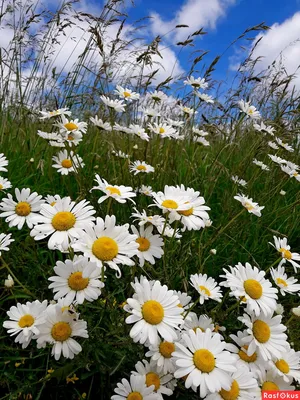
[{"x": 195, "y": 13}]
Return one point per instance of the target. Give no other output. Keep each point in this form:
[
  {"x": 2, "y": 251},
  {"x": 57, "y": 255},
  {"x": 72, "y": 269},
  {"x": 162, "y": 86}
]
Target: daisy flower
[
  {"x": 104, "y": 126},
  {"x": 67, "y": 127},
  {"x": 273, "y": 145},
  {"x": 120, "y": 193},
  {"x": 136, "y": 389},
  {"x": 66, "y": 163},
  {"x": 76, "y": 280},
  {"x": 286, "y": 285},
  {"x": 254, "y": 363},
  {"x": 58, "y": 329},
  {"x": 287, "y": 365},
  {"x": 200, "y": 132},
  {"x": 49, "y": 199},
  {"x": 201, "y": 140},
  {"x": 154, "y": 312},
  {"x": 193, "y": 322},
  {"x": 108, "y": 244},
  {"x": 277, "y": 160},
  {"x": 284, "y": 145},
  {"x": 239, "y": 181},
  {"x": 63, "y": 222},
  {"x": 126, "y": 94},
  {"x": 296, "y": 311},
  {"x": 249, "y": 204},
  {"x": 201, "y": 356},
  {"x": 196, "y": 83},
  {"x": 205, "y": 97},
  {"x": 161, "y": 355},
  {"x": 249, "y": 284},
  {"x": 184, "y": 300},
  {"x": 243, "y": 387},
  {"x": 121, "y": 128},
  {"x": 140, "y": 166},
  {"x": 269, "y": 380},
  {"x": 206, "y": 287},
  {"x": 162, "y": 382},
  {"x": 9, "y": 282},
  {"x": 264, "y": 128},
  {"x": 138, "y": 131},
  {"x": 146, "y": 190},
  {"x": 282, "y": 247},
  {"x": 260, "y": 164},
  {"x": 117, "y": 105},
  {"x": 250, "y": 111},
  {"x": 25, "y": 209},
  {"x": 175, "y": 123},
  {"x": 266, "y": 335},
  {"x": 55, "y": 113},
  {"x": 162, "y": 129},
  {"x": 24, "y": 319},
  {"x": 151, "y": 112},
  {"x": 150, "y": 246},
  {"x": 187, "y": 110},
  {"x": 5, "y": 241},
  {"x": 158, "y": 96},
  {"x": 4, "y": 184},
  {"x": 143, "y": 218},
  {"x": 120, "y": 154},
  {"x": 167, "y": 230},
  {"x": 3, "y": 162}
]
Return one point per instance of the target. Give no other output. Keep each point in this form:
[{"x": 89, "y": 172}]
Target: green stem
[
  {"x": 272, "y": 265},
  {"x": 16, "y": 279}
]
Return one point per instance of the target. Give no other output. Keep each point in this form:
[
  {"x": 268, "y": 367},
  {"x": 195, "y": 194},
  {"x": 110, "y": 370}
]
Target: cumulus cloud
[{"x": 195, "y": 13}]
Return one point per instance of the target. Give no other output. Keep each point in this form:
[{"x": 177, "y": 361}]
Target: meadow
[{"x": 194, "y": 187}]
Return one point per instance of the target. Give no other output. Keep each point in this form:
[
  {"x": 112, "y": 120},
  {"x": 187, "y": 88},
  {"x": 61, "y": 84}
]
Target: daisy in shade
[
  {"x": 254, "y": 363},
  {"x": 67, "y": 127},
  {"x": 120, "y": 154},
  {"x": 273, "y": 145},
  {"x": 202, "y": 323},
  {"x": 286, "y": 285},
  {"x": 265, "y": 334},
  {"x": 104, "y": 126},
  {"x": 244, "y": 387},
  {"x": 5, "y": 241},
  {"x": 146, "y": 190},
  {"x": 24, "y": 319},
  {"x": 140, "y": 166},
  {"x": 287, "y": 365},
  {"x": 260, "y": 164},
  {"x": 66, "y": 163},
  {"x": 284, "y": 145},
  {"x": 55, "y": 113},
  {"x": 168, "y": 231},
  {"x": 269, "y": 380},
  {"x": 4, "y": 184},
  {"x": 76, "y": 280},
  {"x": 238, "y": 181},
  {"x": 249, "y": 284},
  {"x": 196, "y": 83},
  {"x": 25, "y": 209},
  {"x": 58, "y": 329},
  {"x": 117, "y": 105},
  {"x": 282, "y": 247},
  {"x": 184, "y": 300},
  {"x": 205, "y": 97},
  {"x": 249, "y": 204},
  {"x": 136, "y": 389},
  {"x": 161, "y": 355},
  {"x": 108, "y": 244},
  {"x": 162, "y": 383},
  {"x": 63, "y": 222},
  {"x": 277, "y": 160},
  {"x": 250, "y": 111},
  {"x": 3, "y": 162},
  {"x": 143, "y": 218},
  {"x": 262, "y": 127},
  {"x": 154, "y": 312},
  {"x": 201, "y": 356},
  {"x": 206, "y": 287},
  {"x": 200, "y": 132},
  {"x": 120, "y": 193},
  {"x": 158, "y": 96},
  {"x": 150, "y": 246},
  {"x": 126, "y": 94},
  {"x": 201, "y": 140}
]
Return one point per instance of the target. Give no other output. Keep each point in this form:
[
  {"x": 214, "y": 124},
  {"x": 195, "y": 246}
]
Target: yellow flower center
[
  {"x": 286, "y": 253},
  {"x": 70, "y": 137},
  {"x": 144, "y": 244},
  {"x": 61, "y": 331},
  {"x": 204, "y": 360},
  {"x": 141, "y": 168},
  {"x": 205, "y": 290},
  {"x": 281, "y": 281},
  {"x": 135, "y": 396},
  {"x": 153, "y": 312},
  {"x": 268, "y": 385},
  {"x": 70, "y": 126},
  {"x": 231, "y": 394},
  {"x": 77, "y": 282},
  {"x": 63, "y": 221},
  {"x": 283, "y": 366},
  {"x": 52, "y": 113},
  {"x": 169, "y": 204},
  {"x": 113, "y": 190},
  {"x": 161, "y": 130},
  {"x": 261, "y": 331},
  {"x": 186, "y": 213},
  {"x": 53, "y": 203},
  {"x": 153, "y": 379},
  {"x": 166, "y": 349},
  {"x": 243, "y": 355},
  {"x": 23, "y": 209},
  {"x": 253, "y": 288},
  {"x": 127, "y": 94},
  {"x": 105, "y": 248},
  {"x": 295, "y": 174},
  {"x": 1, "y": 186},
  {"x": 26, "y": 321},
  {"x": 249, "y": 206},
  {"x": 66, "y": 163}
]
